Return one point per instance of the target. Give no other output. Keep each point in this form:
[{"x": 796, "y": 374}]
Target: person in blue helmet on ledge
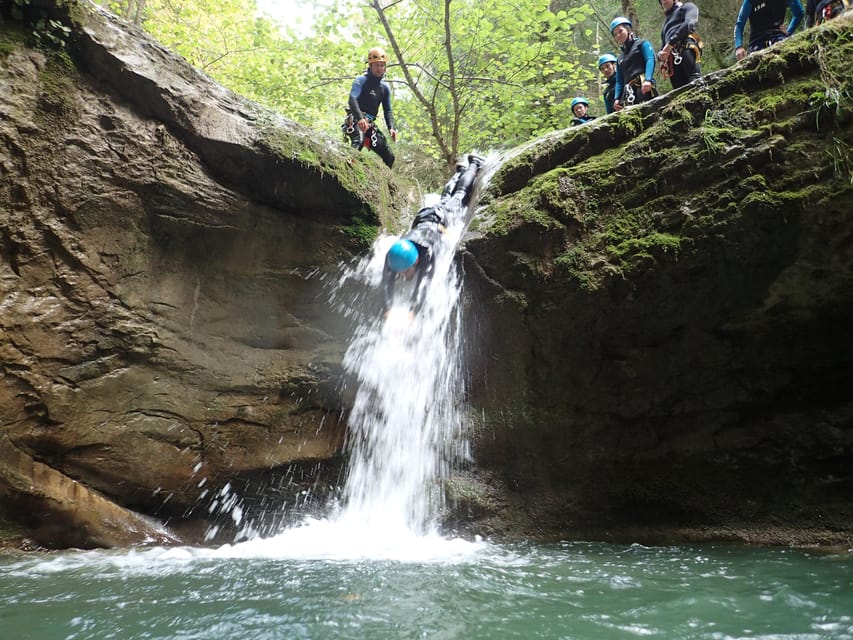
[
  {"x": 607, "y": 66},
  {"x": 635, "y": 68},
  {"x": 412, "y": 256},
  {"x": 580, "y": 110}
]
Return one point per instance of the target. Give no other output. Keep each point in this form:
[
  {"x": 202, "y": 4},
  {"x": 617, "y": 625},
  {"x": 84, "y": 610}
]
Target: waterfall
[
  {"x": 407, "y": 407},
  {"x": 407, "y": 414}
]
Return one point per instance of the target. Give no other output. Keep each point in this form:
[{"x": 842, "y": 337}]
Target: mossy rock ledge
[{"x": 662, "y": 315}]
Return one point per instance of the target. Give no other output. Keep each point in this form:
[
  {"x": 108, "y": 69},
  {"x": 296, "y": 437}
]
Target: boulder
[
  {"x": 165, "y": 253},
  {"x": 663, "y": 303}
]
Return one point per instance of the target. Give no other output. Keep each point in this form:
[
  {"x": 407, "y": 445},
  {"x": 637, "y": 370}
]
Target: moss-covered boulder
[{"x": 664, "y": 311}]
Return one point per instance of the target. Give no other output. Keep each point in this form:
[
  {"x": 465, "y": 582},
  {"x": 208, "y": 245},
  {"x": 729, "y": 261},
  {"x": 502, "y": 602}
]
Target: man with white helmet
[{"x": 369, "y": 92}]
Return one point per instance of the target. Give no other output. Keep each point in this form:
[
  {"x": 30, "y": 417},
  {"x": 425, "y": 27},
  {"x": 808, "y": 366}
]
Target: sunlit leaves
[{"x": 481, "y": 75}]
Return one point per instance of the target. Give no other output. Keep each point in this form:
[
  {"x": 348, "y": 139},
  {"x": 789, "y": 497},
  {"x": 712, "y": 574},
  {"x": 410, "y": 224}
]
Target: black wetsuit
[
  {"x": 426, "y": 233},
  {"x": 367, "y": 94},
  {"x": 765, "y": 19},
  {"x": 634, "y": 66},
  {"x": 679, "y": 22},
  {"x": 609, "y": 93}
]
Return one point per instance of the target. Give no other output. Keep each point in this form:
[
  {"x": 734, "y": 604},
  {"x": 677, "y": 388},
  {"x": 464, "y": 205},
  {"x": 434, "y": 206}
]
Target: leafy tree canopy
[{"x": 466, "y": 74}]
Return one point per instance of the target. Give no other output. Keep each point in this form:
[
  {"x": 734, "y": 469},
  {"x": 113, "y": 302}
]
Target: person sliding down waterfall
[{"x": 412, "y": 256}]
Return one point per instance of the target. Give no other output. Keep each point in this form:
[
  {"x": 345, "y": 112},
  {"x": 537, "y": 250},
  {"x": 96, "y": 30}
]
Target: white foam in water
[{"x": 342, "y": 540}]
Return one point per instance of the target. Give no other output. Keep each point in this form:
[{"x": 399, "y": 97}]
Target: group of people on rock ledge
[{"x": 629, "y": 79}]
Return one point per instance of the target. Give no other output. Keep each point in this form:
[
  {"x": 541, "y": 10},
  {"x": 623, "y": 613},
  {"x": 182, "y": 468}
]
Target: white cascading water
[
  {"x": 407, "y": 407},
  {"x": 406, "y": 419}
]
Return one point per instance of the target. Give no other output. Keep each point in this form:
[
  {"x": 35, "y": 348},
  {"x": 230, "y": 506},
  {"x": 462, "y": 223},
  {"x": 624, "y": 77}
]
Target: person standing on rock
[
  {"x": 680, "y": 45},
  {"x": 369, "y": 91},
  {"x": 413, "y": 255},
  {"x": 766, "y": 18},
  {"x": 607, "y": 66},
  {"x": 635, "y": 68}
]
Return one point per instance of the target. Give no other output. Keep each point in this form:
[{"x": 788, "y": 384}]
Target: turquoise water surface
[
  {"x": 378, "y": 571},
  {"x": 571, "y": 590}
]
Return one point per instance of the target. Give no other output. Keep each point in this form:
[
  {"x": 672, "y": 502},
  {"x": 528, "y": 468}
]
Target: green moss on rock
[{"x": 639, "y": 188}]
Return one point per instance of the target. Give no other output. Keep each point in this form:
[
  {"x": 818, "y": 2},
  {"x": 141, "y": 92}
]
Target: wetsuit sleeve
[
  {"x": 608, "y": 96},
  {"x": 620, "y": 84},
  {"x": 354, "y": 94},
  {"x": 386, "y": 106},
  {"x": 688, "y": 19},
  {"x": 796, "y": 15},
  {"x": 649, "y": 57},
  {"x": 740, "y": 23}
]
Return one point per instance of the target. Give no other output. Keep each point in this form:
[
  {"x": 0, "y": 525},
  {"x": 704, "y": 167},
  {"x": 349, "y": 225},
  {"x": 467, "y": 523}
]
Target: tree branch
[{"x": 446, "y": 152}]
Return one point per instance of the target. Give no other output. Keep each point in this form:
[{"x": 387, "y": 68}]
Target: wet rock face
[
  {"x": 165, "y": 321},
  {"x": 659, "y": 326},
  {"x": 676, "y": 282}
]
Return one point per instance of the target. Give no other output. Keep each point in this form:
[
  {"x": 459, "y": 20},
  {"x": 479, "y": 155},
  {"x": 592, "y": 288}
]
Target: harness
[
  {"x": 430, "y": 214},
  {"x": 758, "y": 45},
  {"x": 634, "y": 86},
  {"x": 828, "y": 9},
  {"x": 693, "y": 42},
  {"x": 368, "y": 138}
]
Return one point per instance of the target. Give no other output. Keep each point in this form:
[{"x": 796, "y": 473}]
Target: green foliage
[
  {"x": 648, "y": 246},
  {"x": 465, "y": 74},
  {"x": 575, "y": 263},
  {"x": 46, "y": 32},
  {"x": 712, "y": 134},
  {"x": 489, "y": 75},
  {"x": 485, "y": 75},
  {"x": 842, "y": 158}
]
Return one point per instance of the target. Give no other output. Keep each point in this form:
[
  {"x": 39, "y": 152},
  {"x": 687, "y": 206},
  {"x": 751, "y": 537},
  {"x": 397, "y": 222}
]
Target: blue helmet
[
  {"x": 607, "y": 57},
  {"x": 402, "y": 255},
  {"x": 579, "y": 100},
  {"x": 620, "y": 20}
]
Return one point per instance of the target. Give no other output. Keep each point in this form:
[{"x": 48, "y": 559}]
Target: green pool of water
[{"x": 580, "y": 591}]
